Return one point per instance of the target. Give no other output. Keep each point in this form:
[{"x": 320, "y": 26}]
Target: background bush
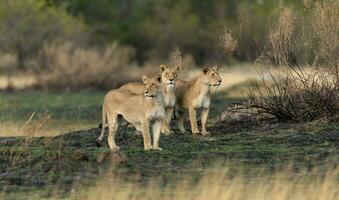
[
  {"x": 26, "y": 25},
  {"x": 298, "y": 93},
  {"x": 151, "y": 29}
]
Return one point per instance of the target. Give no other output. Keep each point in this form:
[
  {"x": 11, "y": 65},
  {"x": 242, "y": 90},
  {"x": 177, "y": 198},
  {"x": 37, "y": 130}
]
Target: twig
[{"x": 26, "y": 124}]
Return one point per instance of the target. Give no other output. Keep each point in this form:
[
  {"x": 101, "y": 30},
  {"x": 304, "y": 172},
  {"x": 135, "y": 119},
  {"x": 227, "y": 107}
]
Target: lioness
[
  {"x": 195, "y": 94},
  {"x": 139, "y": 110},
  {"x": 169, "y": 76}
]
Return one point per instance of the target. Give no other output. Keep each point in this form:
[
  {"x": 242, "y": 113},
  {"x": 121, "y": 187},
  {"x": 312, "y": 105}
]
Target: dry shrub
[
  {"x": 227, "y": 42},
  {"x": 280, "y": 37},
  {"x": 66, "y": 65},
  {"x": 324, "y": 26},
  {"x": 297, "y": 94},
  {"x": 69, "y": 66}
]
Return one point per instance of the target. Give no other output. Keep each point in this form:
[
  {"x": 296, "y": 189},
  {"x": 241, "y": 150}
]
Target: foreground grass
[
  {"x": 223, "y": 184},
  {"x": 61, "y": 165},
  {"x": 71, "y": 166}
]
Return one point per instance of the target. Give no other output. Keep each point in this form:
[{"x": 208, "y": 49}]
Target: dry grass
[
  {"x": 69, "y": 66},
  {"x": 65, "y": 65},
  {"x": 280, "y": 37},
  {"x": 324, "y": 25},
  {"x": 49, "y": 128},
  {"x": 222, "y": 184},
  {"x": 17, "y": 81}
]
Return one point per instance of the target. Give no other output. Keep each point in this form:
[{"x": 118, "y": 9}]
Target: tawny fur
[
  {"x": 195, "y": 94},
  {"x": 140, "y": 110},
  {"x": 169, "y": 76}
]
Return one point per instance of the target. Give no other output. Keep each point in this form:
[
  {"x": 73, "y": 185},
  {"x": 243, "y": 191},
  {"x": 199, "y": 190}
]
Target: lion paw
[
  {"x": 157, "y": 148},
  {"x": 205, "y": 133},
  {"x": 146, "y": 148},
  {"x": 116, "y": 148}
]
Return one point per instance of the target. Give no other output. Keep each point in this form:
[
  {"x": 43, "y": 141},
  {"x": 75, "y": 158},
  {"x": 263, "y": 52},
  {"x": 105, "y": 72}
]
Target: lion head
[
  {"x": 211, "y": 76},
  {"x": 169, "y": 75},
  {"x": 152, "y": 86}
]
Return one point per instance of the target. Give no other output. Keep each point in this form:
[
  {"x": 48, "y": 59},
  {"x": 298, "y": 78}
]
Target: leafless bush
[
  {"x": 227, "y": 42},
  {"x": 300, "y": 94},
  {"x": 69, "y": 66},
  {"x": 325, "y": 28},
  {"x": 296, "y": 96},
  {"x": 280, "y": 36}
]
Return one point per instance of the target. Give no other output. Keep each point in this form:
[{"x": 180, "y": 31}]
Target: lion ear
[
  {"x": 205, "y": 70},
  {"x": 216, "y": 67},
  {"x": 162, "y": 67},
  {"x": 178, "y": 68},
  {"x": 158, "y": 78},
  {"x": 145, "y": 79}
]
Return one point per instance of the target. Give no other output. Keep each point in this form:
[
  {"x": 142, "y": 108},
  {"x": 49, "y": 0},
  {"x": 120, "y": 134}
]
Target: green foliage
[
  {"x": 27, "y": 25},
  {"x": 155, "y": 27}
]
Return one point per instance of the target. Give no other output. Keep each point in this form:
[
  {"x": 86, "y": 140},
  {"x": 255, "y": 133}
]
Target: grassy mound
[{"x": 50, "y": 163}]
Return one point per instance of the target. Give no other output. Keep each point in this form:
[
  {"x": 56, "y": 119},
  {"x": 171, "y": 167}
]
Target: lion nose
[
  {"x": 219, "y": 81},
  {"x": 146, "y": 91},
  {"x": 171, "y": 79}
]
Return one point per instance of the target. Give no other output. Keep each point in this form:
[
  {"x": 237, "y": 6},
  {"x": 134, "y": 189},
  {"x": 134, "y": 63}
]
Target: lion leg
[
  {"x": 138, "y": 128},
  {"x": 156, "y": 134},
  {"x": 146, "y": 136},
  {"x": 193, "y": 119},
  {"x": 181, "y": 119},
  {"x": 112, "y": 127},
  {"x": 204, "y": 117},
  {"x": 103, "y": 126},
  {"x": 166, "y": 129}
]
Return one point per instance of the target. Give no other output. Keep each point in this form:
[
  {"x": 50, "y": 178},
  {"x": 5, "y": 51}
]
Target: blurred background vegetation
[{"x": 102, "y": 42}]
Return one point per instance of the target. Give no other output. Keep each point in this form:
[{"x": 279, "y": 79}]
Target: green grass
[
  {"x": 78, "y": 105},
  {"x": 66, "y": 111},
  {"x": 48, "y": 165}
]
